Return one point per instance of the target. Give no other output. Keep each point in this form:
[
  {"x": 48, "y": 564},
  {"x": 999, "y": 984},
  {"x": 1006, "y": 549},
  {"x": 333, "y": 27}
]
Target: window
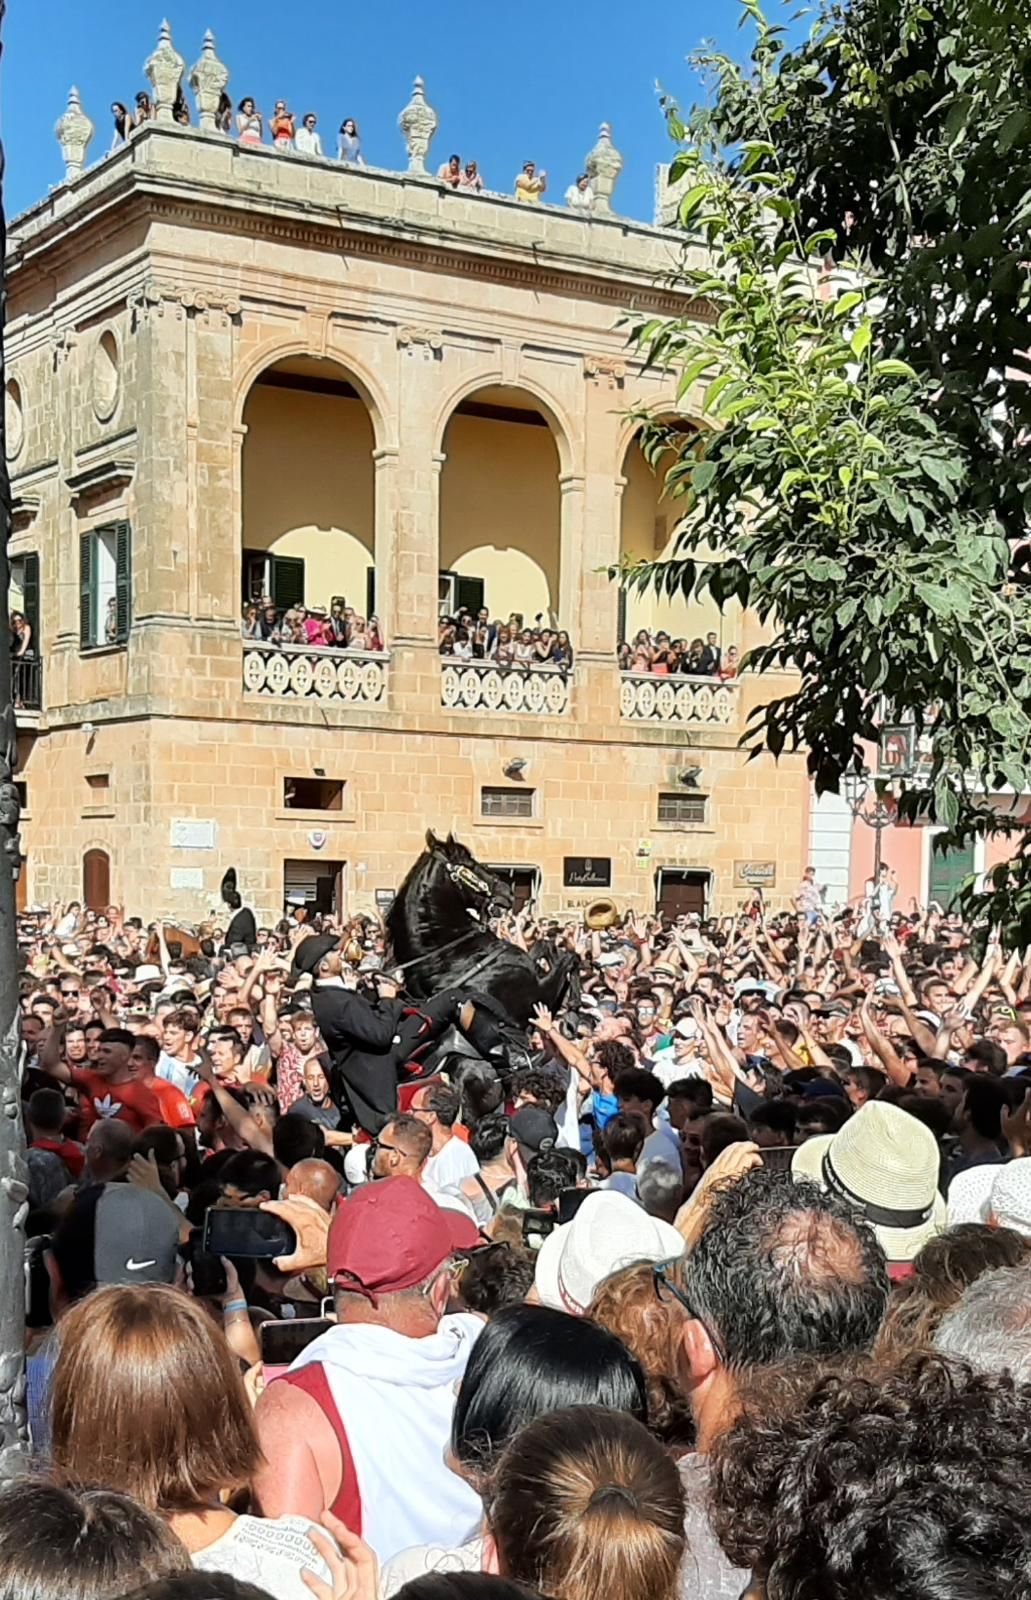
[
  {"x": 456, "y": 593},
  {"x": 24, "y": 592},
  {"x": 682, "y": 808},
  {"x": 506, "y": 802},
  {"x": 98, "y": 783},
  {"x": 280, "y": 577},
  {"x": 105, "y": 586},
  {"x": 313, "y": 794}
]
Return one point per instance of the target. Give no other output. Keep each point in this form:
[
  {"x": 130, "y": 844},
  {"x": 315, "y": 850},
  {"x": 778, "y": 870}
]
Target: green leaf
[
  {"x": 691, "y": 201},
  {"x": 860, "y": 340},
  {"x": 893, "y": 368},
  {"x": 846, "y": 303},
  {"x": 703, "y": 475}
]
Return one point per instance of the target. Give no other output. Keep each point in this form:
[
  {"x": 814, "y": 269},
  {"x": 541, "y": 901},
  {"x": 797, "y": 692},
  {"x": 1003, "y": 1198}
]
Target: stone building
[{"x": 233, "y": 370}]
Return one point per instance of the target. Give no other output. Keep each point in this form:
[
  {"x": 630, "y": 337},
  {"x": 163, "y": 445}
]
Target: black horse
[{"x": 436, "y": 937}]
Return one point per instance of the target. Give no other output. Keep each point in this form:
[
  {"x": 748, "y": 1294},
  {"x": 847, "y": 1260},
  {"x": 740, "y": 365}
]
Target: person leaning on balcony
[
  {"x": 542, "y": 647},
  {"x": 349, "y": 145},
  {"x": 315, "y": 626},
  {"x": 251, "y": 625},
  {"x": 664, "y": 658},
  {"x": 358, "y": 638},
  {"x": 268, "y": 625},
  {"x": 22, "y": 646},
  {"x": 144, "y": 111},
  {"x": 281, "y": 127},
  {"x": 729, "y": 663},
  {"x": 470, "y": 179},
  {"x": 374, "y": 634},
  {"x": 248, "y": 122},
  {"x": 522, "y": 650},
  {"x": 623, "y": 656},
  {"x": 562, "y": 650},
  {"x": 530, "y": 184},
  {"x": 450, "y": 172},
  {"x": 336, "y": 627},
  {"x": 307, "y": 140},
  {"x": 446, "y": 642},
  {"x": 504, "y": 650}
]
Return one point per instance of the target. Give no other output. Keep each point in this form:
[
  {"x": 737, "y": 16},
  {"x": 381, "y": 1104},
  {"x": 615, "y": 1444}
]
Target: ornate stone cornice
[
  {"x": 157, "y": 297},
  {"x": 429, "y": 342},
  {"x": 607, "y": 370}
]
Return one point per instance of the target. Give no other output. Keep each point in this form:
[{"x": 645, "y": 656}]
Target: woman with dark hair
[
  {"x": 122, "y": 122},
  {"x": 79, "y": 1544},
  {"x": 248, "y": 122},
  {"x": 528, "y": 1361},
  {"x": 562, "y": 650},
  {"x": 144, "y": 110},
  {"x": 147, "y": 1399},
  {"x": 349, "y": 149},
  {"x": 584, "y": 1502}
]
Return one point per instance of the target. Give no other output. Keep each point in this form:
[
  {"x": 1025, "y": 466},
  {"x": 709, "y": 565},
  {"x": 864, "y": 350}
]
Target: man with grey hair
[
  {"x": 660, "y": 1189},
  {"x": 990, "y": 1328}
]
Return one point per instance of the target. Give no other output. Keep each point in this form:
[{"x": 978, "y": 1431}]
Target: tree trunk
[{"x": 13, "y": 1174}]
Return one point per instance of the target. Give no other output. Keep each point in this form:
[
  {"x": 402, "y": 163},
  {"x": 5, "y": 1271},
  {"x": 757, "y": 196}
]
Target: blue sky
[{"x": 508, "y": 82}]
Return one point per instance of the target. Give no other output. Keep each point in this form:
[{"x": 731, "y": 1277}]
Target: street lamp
[{"x": 878, "y": 816}]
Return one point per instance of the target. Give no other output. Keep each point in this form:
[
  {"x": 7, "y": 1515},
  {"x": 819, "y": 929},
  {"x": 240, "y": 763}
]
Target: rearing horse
[{"x": 435, "y": 936}]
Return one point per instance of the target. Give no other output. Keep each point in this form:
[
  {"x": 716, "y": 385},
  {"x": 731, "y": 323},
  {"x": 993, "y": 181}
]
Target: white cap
[
  {"x": 356, "y": 1165},
  {"x": 1010, "y": 1204},
  {"x": 610, "y": 1231}
]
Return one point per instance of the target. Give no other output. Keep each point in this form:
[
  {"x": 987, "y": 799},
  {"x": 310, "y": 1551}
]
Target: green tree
[{"x": 861, "y": 459}]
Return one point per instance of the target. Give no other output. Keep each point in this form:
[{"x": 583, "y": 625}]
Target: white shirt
[
  {"x": 271, "y": 1554},
  {"x": 178, "y": 1072},
  {"x": 578, "y": 199},
  {"x": 452, "y": 1164},
  {"x": 308, "y": 142}
]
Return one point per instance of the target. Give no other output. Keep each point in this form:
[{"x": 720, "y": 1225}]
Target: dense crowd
[
  {"x": 339, "y": 628},
  {"x": 465, "y": 637},
  {"x": 247, "y": 125},
  {"x": 721, "y": 1285},
  {"x": 659, "y": 653}
]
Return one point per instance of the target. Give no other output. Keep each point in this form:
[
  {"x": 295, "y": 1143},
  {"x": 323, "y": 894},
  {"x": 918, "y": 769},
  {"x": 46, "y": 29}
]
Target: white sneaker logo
[{"x": 138, "y": 1266}]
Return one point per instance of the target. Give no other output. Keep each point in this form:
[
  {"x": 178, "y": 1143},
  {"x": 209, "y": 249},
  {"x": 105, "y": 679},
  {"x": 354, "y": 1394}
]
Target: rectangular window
[
  {"x": 105, "y": 586},
  {"x": 313, "y": 794},
  {"x": 279, "y": 577},
  {"x": 506, "y": 802},
  {"x": 682, "y": 808},
  {"x": 98, "y": 783}
]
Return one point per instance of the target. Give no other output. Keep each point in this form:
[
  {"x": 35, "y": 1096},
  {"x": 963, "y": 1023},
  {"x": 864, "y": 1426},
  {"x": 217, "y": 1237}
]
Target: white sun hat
[
  {"x": 970, "y": 1194},
  {"x": 1010, "y": 1203},
  {"x": 610, "y": 1231},
  {"x": 886, "y": 1164}
]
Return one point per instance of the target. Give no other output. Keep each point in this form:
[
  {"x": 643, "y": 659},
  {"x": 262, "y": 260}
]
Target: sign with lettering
[
  {"x": 755, "y": 874},
  {"x": 587, "y": 872}
]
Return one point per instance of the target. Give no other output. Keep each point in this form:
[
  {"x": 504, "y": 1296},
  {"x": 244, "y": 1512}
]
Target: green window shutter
[
  {"x": 87, "y": 595},
  {"x": 469, "y": 593},
  {"x": 123, "y": 580},
  {"x": 370, "y": 592},
  {"x": 287, "y": 582},
  {"x": 30, "y": 597}
]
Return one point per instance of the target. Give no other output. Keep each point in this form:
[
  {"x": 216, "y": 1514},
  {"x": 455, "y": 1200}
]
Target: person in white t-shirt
[
  {"x": 306, "y": 140},
  {"x": 451, "y": 1161},
  {"x": 580, "y": 195}
]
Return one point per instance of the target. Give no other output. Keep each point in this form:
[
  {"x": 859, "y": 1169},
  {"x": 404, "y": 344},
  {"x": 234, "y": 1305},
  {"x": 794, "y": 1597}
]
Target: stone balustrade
[
  {"x": 650, "y": 697},
  {"x": 294, "y": 672},
  {"x": 485, "y": 687}
]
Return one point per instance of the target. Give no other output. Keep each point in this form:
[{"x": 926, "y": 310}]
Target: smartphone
[
  {"x": 243, "y": 1231},
  {"x": 282, "y": 1342},
  {"x": 208, "y": 1274},
  {"x": 536, "y": 1227},
  {"x": 569, "y": 1203},
  {"x": 778, "y": 1157}
]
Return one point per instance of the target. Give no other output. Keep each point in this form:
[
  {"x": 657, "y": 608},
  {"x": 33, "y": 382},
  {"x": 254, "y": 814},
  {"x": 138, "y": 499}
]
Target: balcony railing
[
  {"x": 650, "y": 697},
  {"x": 484, "y": 686},
  {"x": 27, "y": 682},
  {"x": 294, "y": 672}
]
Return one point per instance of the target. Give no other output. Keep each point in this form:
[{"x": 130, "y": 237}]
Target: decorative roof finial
[
  {"x": 603, "y": 166},
  {"x": 208, "y": 79},
  {"x": 418, "y": 123},
  {"x": 164, "y": 68},
  {"x": 73, "y": 130}
]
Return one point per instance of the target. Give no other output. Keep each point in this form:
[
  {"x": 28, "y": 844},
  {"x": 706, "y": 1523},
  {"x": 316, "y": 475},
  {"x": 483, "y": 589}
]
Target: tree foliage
[{"x": 862, "y": 455}]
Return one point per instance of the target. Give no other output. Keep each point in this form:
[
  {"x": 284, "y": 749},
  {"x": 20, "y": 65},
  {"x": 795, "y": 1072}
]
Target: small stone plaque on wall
[
  {"x": 191, "y": 834},
  {"x": 186, "y": 878}
]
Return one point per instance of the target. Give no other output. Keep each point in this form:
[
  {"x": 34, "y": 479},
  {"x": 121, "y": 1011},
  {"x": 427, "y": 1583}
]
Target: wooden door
[
  {"x": 681, "y": 893},
  {"x": 96, "y": 880}
]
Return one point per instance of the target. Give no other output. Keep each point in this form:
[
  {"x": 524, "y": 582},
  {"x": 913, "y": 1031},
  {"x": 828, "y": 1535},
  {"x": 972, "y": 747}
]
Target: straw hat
[{"x": 886, "y": 1164}]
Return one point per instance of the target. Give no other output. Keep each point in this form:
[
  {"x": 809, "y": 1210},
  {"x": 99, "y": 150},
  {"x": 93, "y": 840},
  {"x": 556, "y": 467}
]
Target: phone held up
[{"x": 245, "y": 1231}]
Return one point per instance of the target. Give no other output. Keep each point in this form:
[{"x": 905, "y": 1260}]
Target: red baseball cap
[{"x": 390, "y": 1235}]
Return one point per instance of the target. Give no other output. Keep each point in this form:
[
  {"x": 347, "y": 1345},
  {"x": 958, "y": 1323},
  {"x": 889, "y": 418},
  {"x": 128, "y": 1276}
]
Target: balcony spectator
[
  {"x": 251, "y": 627},
  {"x": 281, "y": 127},
  {"x": 523, "y": 649},
  {"x": 710, "y": 658},
  {"x": 144, "y": 110},
  {"x": 111, "y": 622},
  {"x": 307, "y": 140},
  {"x": 22, "y": 645},
  {"x": 447, "y": 637},
  {"x": 542, "y": 646},
  {"x": 349, "y": 147},
  {"x": 462, "y": 648},
  {"x": 315, "y": 625},
  {"x": 470, "y": 179},
  {"x": 504, "y": 648},
  {"x": 530, "y": 184},
  {"x": 580, "y": 195},
  {"x": 358, "y": 638},
  {"x": 562, "y": 652},
  {"x": 729, "y": 663},
  {"x": 224, "y": 114},
  {"x": 268, "y": 625},
  {"x": 122, "y": 122},
  {"x": 374, "y": 634},
  {"x": 692, "y": 662},
  {"x": 451, "y": 172},
  {"x": 292, "y": 629},
  {"x": 181, "y": 110},
  {"x": 336, "y": 627},
  {"x": 248, "y": 122},
  {"x": 664, "y": 658},
  {"x": 624, "y": 656},
  {"x": 482, "y": 642}
]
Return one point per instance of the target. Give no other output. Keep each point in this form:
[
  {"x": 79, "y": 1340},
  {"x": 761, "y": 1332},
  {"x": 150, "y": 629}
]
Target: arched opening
[
  {"x": 648, "y": 527},
  {"x": 500, "y": 509},
  {"x": 96, "y": 880},
  {"x": 308, "y": 493}
]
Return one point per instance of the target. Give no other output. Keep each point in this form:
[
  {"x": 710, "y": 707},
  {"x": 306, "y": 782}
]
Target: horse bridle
[{"x": 464, "y": 877}]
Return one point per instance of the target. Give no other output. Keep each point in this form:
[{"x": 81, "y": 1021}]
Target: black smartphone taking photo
[
  {"x": 243, "y": 1231},
  {"x": 282, "y": 1342}
]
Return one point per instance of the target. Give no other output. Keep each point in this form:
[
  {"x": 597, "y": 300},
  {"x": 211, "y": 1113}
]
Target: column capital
[{"x": 385, "y": 456}]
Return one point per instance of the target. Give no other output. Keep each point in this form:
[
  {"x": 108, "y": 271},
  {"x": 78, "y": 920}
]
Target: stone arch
[
  {"x": 551, "y": 409},
  {"x": 275, "y": 351}
]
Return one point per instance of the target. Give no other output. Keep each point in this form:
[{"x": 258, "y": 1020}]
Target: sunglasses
[{"x": 668, "y": 1291}]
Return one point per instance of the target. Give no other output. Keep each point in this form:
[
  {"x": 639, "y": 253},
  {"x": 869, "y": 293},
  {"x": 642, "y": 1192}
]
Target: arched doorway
[
  {"x": 308, "y": 500},
  {"x": 500, "y": 509},
  {"x": 648, "y": 526},
  {"x": 96, "y": 880}
]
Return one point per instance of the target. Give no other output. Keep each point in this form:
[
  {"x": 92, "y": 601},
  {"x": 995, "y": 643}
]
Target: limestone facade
[{"x": 162, "y": 305}]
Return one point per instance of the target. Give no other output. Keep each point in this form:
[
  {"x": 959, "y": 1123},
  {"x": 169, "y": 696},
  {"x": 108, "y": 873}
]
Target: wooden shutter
[
  {"x": 469, "y": 593},
  {"x": 87, "y": 596},
  {"x": 370, "y": 592},
  {"x": 287, "y": 582},
  {"x": 30, "y": 597},
  {"x": 123, "y": 580}
]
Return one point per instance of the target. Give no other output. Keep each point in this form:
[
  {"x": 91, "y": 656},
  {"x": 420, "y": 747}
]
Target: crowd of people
[
  {"x": 718, "y": 1284},
  {"x": 658, "y": 653},
  {"x": 465, "y": 637},
  {"x": 339, "y": 628},
  {"x": 247, "y": 125}
]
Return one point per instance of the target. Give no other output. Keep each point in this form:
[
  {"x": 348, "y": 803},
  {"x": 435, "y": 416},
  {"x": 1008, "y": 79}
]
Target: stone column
[
  {"x": 208, "y": 79},
  {"x": 418, "y": 124},
  {"x": 603, "y": 166},
  {"x": 571, "y": 544},
  {"x": 164, "y": 68},
  {"x": 603, "y": 494},
  {"x": 73, "y": 130},
  {"x": 385, "y": 541},
  {"x": 161, "y": 527}
]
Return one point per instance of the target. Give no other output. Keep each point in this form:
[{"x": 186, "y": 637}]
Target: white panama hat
[
  {"x": 886, "y": 1164},
  {"x": 610, "y": 1231}
]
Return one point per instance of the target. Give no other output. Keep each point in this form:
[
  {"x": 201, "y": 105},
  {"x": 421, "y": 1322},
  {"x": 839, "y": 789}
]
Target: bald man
[{"x": 316, "y": 1180}]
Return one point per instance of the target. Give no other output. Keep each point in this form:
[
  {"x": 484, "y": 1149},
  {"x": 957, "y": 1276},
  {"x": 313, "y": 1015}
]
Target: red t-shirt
[
  {"x": 130, "y": 1102},
  {"x": 67, "y": 1150},
  {"x": 176, "y": 1110}
]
